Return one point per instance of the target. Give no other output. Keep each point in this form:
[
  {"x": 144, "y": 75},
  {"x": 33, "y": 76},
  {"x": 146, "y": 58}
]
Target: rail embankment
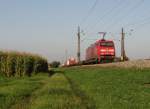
[{"x": 127, "y": 64}]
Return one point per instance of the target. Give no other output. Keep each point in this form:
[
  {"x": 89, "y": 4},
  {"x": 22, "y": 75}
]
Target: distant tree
[{"x": 55, "y": 64}]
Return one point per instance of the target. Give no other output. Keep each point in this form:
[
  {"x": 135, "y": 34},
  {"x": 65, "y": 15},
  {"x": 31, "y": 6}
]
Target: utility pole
[
  {"x": 123, "y": 56},
  {"x": 78, "y": 51},
  {"x": 66, "y": 54}
]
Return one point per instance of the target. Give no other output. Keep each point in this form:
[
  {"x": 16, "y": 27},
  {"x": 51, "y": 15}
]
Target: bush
[
  {"x": 20, "y": 64},
  {"x": 55, "y": 64},
  {"x": 28, "y": 65}
]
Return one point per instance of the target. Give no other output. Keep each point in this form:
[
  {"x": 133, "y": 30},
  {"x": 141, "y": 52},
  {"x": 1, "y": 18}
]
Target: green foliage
[
  {"x": 55, "y": 64},
  {"x": 20, "y": 64},
  {"x": 40, "y": 65},
  {"x": 11, "y": 65},
  {"x": 28, "y": 65},
  {"x": 3, "y": 63}
]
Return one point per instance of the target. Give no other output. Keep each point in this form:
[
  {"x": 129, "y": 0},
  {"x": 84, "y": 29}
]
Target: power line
[
  {"x": 126, "y": 15},
  {"x": 85, "y": 38},
  {"x": 89, "y": 12},
  {"x": 106, "y": 14},
  {"x": 138, "y": 22},
  {"x": 142, "y": 24},
  {"x": 102, "y": 17}
]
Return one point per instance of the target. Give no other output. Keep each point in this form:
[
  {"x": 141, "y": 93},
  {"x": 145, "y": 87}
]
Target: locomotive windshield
[{"x": 107, "y": 44}]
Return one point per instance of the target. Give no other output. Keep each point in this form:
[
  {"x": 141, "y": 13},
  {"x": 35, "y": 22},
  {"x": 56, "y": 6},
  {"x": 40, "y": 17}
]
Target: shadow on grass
[
  {"x": 52, "y": 72},
  {"x": 59, "y": 91},
  {"x": 147, "y": 84}
]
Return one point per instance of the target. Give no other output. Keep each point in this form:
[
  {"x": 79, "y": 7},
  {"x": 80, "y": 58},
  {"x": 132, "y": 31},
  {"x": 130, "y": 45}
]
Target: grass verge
[{"x": 78, "y": 88}]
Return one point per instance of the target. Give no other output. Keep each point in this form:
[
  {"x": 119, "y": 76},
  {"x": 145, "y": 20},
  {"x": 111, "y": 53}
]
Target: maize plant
[{"x": 20, "y": 64}]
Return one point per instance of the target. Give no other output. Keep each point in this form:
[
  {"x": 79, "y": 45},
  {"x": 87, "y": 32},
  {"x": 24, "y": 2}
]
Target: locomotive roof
[
  {"x": 98, "y": 41},
  {"x": 103, "y": 40}
]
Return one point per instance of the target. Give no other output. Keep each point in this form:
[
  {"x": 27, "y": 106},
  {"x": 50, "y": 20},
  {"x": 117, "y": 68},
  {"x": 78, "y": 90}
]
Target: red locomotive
[{"x": 101, "y": 51}]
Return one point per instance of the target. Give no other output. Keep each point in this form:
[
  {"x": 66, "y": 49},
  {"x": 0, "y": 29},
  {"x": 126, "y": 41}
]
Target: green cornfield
[{"x": 20, "y": 64}]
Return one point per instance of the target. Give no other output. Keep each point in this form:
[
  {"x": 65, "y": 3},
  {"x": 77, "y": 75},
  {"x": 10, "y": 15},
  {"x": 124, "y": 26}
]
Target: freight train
[{"x": 100, "y": 52}]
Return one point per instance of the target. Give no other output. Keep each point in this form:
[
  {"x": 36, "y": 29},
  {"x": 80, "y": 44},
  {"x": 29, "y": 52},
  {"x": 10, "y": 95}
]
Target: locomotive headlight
[
  {"x": 103, "y": 50},
  {"x": 111, "y": 50}
]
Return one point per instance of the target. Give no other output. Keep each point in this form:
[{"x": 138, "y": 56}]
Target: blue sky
[{"x": 48, "y": 27}]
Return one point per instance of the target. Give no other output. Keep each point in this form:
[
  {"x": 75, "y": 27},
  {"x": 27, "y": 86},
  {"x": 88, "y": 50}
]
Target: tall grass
[{"x": 21, "y": 64}]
